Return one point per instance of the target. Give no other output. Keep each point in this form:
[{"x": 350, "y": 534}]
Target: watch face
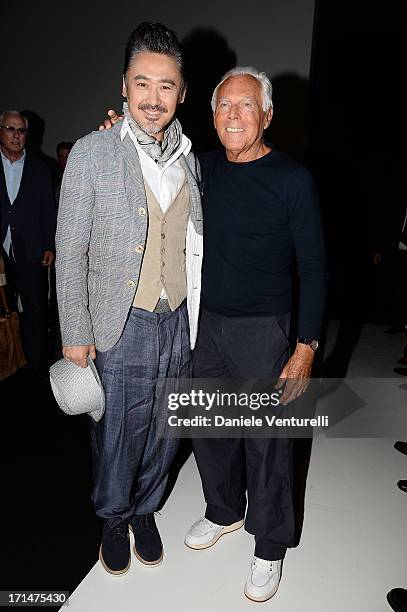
[{"x": 314, "y": 345}]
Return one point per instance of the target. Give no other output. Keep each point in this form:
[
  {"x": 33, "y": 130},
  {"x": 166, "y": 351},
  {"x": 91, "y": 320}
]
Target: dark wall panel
[{"x": 63, "y": 60}]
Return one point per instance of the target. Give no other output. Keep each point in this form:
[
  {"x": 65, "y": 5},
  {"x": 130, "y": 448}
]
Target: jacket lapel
[
  {"x": 3, "y": 186},
  {"x": 194, "y": 188},
  {"x": 133, "y": 177},
  {"x": 25, "y": 179}
]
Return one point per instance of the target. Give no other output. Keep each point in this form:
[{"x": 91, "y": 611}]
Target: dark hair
[
  {"x": 154, "y": 38},
  {"x": 64, "y": 145}
]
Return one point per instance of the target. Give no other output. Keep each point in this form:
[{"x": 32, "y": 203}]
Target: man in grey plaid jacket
[{"x": 128, "y": 266}]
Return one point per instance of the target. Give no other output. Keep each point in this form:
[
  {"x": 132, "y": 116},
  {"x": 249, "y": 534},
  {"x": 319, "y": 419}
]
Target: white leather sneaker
[
  {"x": 204, "y": 534},
  {"x": 263, "y": 579}
]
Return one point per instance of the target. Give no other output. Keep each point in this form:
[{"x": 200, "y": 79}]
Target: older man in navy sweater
[{"x": 260, "y": 215}]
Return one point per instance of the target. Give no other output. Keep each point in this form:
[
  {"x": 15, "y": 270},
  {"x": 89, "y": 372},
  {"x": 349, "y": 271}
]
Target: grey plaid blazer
[{"x": 102, "y": 221}]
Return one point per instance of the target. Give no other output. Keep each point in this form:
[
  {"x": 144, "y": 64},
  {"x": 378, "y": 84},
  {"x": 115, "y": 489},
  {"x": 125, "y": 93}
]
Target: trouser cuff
[
  {"x": 221, "y": 516},
  {"x": 267, "y": 549}
]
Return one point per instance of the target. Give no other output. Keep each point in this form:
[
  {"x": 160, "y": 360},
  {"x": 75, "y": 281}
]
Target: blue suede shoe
[
  {"x": 114, "y": 552},
  {"x": 148, "y": 546}
]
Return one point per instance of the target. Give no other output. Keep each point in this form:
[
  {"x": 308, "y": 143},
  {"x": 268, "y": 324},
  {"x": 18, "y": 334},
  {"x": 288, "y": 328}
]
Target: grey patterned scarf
[{"x": 159, "y": 151}]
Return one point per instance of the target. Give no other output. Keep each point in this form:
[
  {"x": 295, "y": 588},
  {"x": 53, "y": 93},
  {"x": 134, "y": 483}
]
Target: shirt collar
[
  {"x": 184, "y": 148},
  {"x": 6, "y": 159}
]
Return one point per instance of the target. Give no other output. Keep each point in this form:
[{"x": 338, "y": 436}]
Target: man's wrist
[
  {"x": 304, "y": 351},
  {"x": 311, "y": 343}
]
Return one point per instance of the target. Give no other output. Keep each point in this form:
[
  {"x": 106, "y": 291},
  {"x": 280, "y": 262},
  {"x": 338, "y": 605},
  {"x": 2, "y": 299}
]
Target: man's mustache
[{"x": 153, "y": 107}]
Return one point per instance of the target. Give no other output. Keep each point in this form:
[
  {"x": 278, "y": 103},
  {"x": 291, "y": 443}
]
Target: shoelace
[
  {"x": 263, "y": 564},
  {"x": 120, "y": 530},
  {"x": 147, "y": 521}
]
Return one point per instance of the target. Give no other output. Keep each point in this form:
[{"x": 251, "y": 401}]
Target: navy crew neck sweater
[{"x": 259, "y": 218}]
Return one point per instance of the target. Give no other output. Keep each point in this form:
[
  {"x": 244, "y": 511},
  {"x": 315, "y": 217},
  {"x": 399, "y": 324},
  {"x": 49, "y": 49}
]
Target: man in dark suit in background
[{"x": 27, "y": 232}]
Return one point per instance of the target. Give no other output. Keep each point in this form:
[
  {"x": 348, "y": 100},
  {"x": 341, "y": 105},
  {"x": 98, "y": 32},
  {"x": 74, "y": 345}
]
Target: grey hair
[
  {"x": 266, "y": 86},
  {"x": 15, "y": 114}
]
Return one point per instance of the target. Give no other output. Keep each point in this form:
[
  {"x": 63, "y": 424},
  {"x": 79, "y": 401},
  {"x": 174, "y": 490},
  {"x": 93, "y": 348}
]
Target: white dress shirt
[{"x": 165, "y": 182}]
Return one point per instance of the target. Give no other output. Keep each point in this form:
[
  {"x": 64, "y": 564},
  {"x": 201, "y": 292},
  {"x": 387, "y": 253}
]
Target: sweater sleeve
[{"x": 307, "y": 235}]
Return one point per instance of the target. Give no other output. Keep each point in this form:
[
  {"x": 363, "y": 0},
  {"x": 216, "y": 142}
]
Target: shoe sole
[
  {"x": 109, "y": 570},
  {"x": 261, "y": 599},
  {"x": 148, "y": 563},
  {"x": 226, "y": 529},
  {"x": 143, "y": 561}
]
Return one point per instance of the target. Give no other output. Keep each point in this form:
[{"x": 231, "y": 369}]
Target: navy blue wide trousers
[
  {"x": 131, "y": 452},
  {"x": 247, "y": 477}
]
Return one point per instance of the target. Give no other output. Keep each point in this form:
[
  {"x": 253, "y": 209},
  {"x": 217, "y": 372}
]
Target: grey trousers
[{"x": 131, "y": 455}]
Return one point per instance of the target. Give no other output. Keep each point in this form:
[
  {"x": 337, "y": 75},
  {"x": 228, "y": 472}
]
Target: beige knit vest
[{"x": 163, "y": 264}]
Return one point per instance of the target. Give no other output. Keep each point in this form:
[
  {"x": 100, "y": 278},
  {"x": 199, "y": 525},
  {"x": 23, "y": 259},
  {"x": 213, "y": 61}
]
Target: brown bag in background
[{"x": 11, "y": 351}]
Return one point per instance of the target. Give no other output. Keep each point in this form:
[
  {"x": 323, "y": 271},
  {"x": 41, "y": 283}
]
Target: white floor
[{"x": 354, "y": 542}]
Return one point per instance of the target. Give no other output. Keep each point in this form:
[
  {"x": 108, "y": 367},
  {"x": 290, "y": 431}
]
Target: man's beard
[{"x": 151, "y": 127}]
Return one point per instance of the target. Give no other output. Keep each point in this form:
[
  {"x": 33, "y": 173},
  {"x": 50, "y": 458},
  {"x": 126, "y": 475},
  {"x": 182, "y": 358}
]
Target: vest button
[
  {"x": 162, "y": 277},
  {"x": 163, "y": 236},
  {"x": 162, "y": 250},
  {"x": 163, "y": 263},
  {"x": 139, "y": 248},
  {"x": 131, "y": 284},
  {"x": 142, "y": 212}
]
